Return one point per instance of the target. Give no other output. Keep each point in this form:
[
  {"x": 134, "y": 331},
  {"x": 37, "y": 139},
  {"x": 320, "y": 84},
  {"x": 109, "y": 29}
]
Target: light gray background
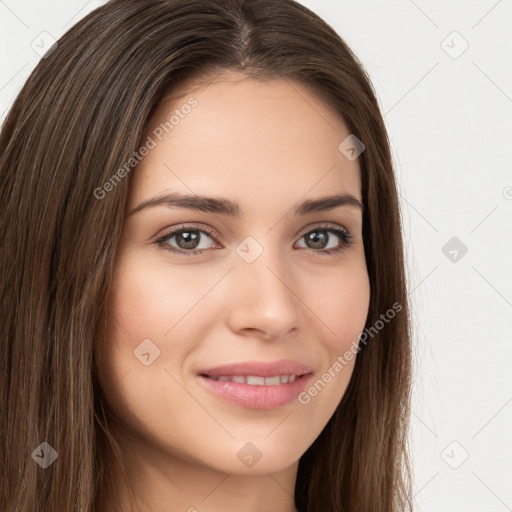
[{"x": 449, "y": 114}]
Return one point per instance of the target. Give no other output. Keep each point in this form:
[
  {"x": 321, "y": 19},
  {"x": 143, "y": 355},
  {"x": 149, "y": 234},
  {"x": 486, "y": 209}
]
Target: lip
[
  {"x": 263, "y": 369},
  {"x": 257, "y": 397}
]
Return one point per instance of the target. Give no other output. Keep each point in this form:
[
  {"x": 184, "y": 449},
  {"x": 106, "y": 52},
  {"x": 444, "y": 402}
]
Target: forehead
[{"x": 271, "y": 141}]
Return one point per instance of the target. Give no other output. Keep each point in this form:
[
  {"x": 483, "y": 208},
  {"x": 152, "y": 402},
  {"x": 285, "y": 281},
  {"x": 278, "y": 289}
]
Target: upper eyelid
[
  {"x": 175, "y": 230},
  {"x": 210, "y": 232}
]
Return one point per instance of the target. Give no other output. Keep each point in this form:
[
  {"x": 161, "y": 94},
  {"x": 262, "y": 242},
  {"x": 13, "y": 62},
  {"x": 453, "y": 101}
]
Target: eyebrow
[{"x": 232, "y": 209}]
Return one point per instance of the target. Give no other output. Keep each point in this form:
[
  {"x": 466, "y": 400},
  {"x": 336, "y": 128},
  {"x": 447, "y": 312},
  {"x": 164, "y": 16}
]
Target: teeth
[{"x": 254, "y": 380}]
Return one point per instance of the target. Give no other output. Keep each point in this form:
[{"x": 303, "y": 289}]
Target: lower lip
[{"x": 257, "y": 397}]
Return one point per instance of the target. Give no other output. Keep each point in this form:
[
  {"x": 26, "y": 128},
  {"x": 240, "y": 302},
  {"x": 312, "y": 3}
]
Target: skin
[{"x": 268, "y": 146}]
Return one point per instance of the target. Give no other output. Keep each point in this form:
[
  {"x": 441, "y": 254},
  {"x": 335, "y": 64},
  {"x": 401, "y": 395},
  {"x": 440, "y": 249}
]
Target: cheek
[
  {"x": 342, "y": 308},
  {"x": 341, "y": 301},
  {"x": 157, "y": 302},
  {"x": 148, "y": 309},
  {"x": 151, "y": 299}
]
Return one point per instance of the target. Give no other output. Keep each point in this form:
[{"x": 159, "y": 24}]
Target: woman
[{"x": 203, "y": 287}]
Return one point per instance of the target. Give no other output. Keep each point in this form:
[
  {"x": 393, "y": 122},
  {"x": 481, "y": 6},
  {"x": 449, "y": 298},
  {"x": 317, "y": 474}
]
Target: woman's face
[{"x": 269, "y": 284}]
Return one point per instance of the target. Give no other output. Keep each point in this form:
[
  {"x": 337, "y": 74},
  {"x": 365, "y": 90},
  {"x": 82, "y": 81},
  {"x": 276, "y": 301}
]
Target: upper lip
[{"x": 260, "y": 369}]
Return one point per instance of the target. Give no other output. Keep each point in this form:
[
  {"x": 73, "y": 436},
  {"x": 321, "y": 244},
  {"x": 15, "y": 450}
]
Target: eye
[
  {"x": 322, "y": 239},
  {"x": 188, "y": 239},
  {"x": 192, "y": 240}
]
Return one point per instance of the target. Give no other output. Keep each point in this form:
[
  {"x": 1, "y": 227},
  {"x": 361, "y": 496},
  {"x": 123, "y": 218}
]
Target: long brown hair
[{"x": 77, "y": 120}]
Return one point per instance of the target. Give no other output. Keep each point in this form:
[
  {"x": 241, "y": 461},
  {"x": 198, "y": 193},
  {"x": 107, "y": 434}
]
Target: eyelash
[{"x": 346, "y": 239}]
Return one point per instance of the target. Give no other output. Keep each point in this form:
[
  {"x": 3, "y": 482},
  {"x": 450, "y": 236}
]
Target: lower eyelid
[
  {"x": 344, "y": 237},
  {"x": 341, "y": 233}
]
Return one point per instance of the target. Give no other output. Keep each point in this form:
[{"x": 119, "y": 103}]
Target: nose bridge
[{"x": 265, "y": 296}]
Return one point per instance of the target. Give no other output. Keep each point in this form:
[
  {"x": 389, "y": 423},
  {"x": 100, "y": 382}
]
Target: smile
[{"x": 254, "y": 380}]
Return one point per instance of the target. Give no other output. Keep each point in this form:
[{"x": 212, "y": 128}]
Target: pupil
[
  {"x": 316, "y": 238},
  {"x": 190, "y": 240}
]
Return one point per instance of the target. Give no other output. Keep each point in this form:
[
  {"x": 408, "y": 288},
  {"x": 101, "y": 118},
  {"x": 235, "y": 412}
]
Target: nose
[{"x": 263, "y": 296}]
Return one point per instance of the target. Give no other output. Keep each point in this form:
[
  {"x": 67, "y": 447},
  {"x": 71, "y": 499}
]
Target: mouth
[
  {"x": 256, "y": 380},
  {"x": 257, "y": 385}
]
